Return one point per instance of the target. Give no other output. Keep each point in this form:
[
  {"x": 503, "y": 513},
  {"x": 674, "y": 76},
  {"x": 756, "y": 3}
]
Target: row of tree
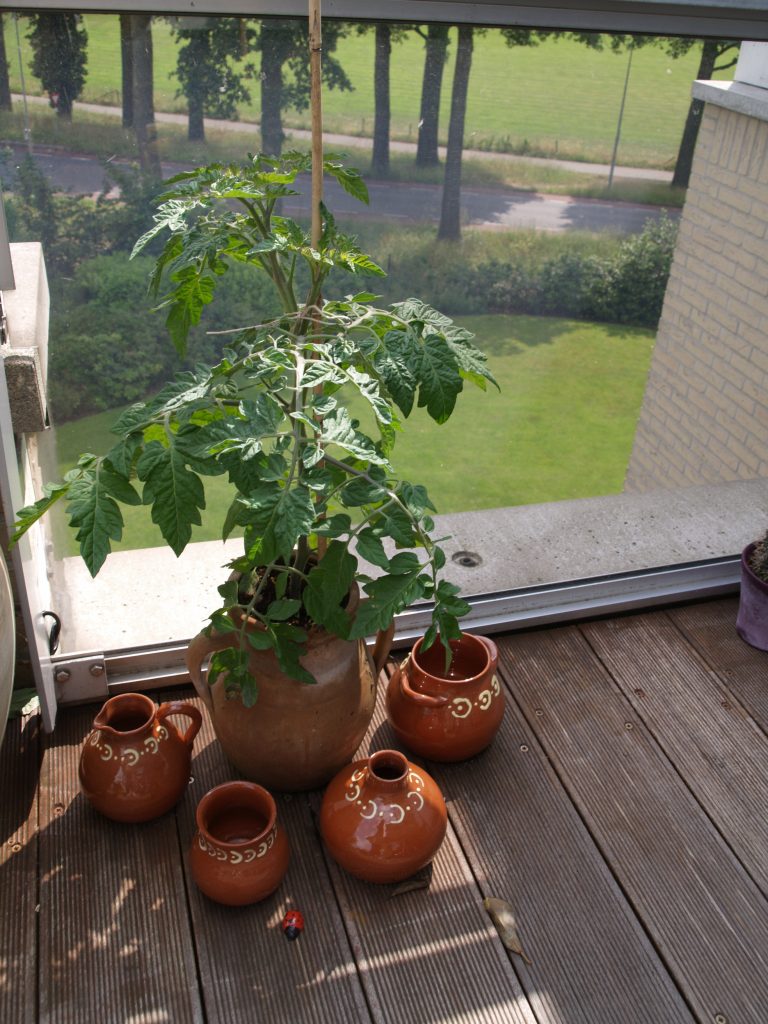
[{"x": 214, "y": 78}]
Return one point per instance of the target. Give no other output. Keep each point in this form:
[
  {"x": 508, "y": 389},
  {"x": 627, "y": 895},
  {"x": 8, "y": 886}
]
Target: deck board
[
  {"x": 711, "y": 629},
  {"x": 706, "y": 916},
  {"x": 19, "y": 767},
  {"x": 626, "y": 829},
  {"x": 519, "y": 827},
  {"x": 114, "y": 937},
  {"x": 429, "y": 955},
  {"x": 244, "y": 959},
  {"x": 709, "y": 737}
]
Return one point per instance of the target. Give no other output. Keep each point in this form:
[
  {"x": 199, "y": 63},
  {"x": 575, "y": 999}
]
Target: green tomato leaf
[
  {"x": 28, "y": 515},
  {"x": 415, "y": 498},
  {"x": 327, "y": 586},
  {"x": 370, "y": 547},
  {"x": 360, "y": 491},
  {"x": 293, "y": 518},
  {"x": 283, "y": 609},
  {"x": 339, "y": 430},
  {"x": 260, "y": 639},
  {"x": 289, "y": 647},
  {"x": 387, "y": 596},
  {"x": 404, "y": 562},
  {"x": 350, "y": 179},
  {"x": 400, "y": 527},
  {"x": 471, "y": 361},
  {"x": 398, "y": 363},
  {"x": 440, "y": 380},
  {"x": 93, "y": 510},
  {"x": 175, "y": 493},
  {"x": 334, "y": 526},
  {"x": 185, "y": 306}
]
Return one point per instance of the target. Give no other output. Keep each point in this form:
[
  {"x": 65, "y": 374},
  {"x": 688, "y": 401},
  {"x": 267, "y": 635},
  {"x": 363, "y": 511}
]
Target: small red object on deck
[{"x": 293, "y": 924}]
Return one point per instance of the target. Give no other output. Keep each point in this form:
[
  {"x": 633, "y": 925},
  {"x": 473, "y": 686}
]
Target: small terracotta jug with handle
[
  {"x": 447, "y": 715},
  {"x": 135, "y": 764}
]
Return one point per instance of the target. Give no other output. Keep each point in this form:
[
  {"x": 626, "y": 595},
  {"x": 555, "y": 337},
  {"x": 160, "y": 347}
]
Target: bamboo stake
[
  {"x": 315, "y": 59},
  {"x": 316, "y": 107}
]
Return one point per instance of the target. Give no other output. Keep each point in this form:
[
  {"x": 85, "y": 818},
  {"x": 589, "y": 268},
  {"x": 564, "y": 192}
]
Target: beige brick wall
[{"x": 705, "y": 412}]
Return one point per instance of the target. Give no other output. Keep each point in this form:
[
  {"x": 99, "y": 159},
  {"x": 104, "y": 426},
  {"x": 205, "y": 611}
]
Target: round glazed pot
[
  {"x": 134, "y": 766},
  {"x": 239, "y": 854},
  {"x": 382, "y": 818},
  {"x": 296, "y": 736},
  {"x": 447, "y": 716},
  {"x": 752, "y": 618}
]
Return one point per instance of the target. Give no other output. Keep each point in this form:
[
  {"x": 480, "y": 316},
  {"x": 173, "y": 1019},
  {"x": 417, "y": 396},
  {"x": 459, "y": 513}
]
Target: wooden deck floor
[{"x": 622, "y": 812}]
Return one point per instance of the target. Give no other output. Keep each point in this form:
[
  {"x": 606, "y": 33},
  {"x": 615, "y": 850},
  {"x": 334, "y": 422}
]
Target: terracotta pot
[
  {"x": 239, "y": 854},
  {"x": 447, "y": 716},
  {"x": 752, "y": 618},
  {"x": 382, "y": 818},
  {"x": 296, "y": 736},
  {"x": 134, "y": 766}
]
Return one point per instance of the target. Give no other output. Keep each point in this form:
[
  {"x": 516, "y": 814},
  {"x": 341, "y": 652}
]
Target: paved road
[
  {"x": 405, "y": 202},
  {"x": 333, "y": 139}
]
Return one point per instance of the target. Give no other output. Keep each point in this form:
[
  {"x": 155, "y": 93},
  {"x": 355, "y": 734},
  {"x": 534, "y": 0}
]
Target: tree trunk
[
  {"x": 381, "y": 120},
  {"x": 684, "y": 162},
  {"x": 275, "y": 46},
  {"x": 429, "y": 117},
  {"x": 200, "y": 43},
  {"x": 143, "y": 101},
  {"x": 126, "y": 63},
  {"x": 5, "y": 85},
  {"x": 450, "y": 213}
]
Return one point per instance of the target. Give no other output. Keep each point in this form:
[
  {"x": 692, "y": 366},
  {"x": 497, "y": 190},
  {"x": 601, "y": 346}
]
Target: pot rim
[
  {"x": 416, "y": 649},
  {"x": 395, "y": 758},
  {"x": 105, "y": 714},
  {"x": 254, "y": 797}
]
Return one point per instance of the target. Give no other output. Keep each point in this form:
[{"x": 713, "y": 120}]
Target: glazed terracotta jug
[
  {"x": 296, "y": 736},
  {"x": 383, "y": 818},
  {"x": 239, "y": 854},
  {"x": 447, "y": 716},
  {"x": 134, "y": 766}
]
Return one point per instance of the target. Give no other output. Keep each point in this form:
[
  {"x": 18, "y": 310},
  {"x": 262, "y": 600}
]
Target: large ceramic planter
[
  {"x": 239, "y": 854},
  {"x": 135, "y": 764},
  {"x": 752, "y": 618},
  {"x": 383, "y": 818},
  {"x": 297, "y": 736},
  {"x": 447, "y": 716}
]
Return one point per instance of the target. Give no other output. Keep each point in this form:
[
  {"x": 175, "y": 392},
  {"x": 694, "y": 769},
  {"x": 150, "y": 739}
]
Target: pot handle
[
  {"x": 426, "y": 700},
  {"x": 382, "y": 646},
  {"x": 178, "y": 707},
  {"x": 199, "y": 649}
]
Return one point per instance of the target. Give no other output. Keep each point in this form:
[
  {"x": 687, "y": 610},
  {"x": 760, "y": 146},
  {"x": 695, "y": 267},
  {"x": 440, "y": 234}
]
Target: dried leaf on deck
[
  {"x": 503, "y": 917},
  {"x": 421, "y": 880}
]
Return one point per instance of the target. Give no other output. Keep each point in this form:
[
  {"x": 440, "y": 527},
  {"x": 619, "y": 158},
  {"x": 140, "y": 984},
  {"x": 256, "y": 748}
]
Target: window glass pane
[{"x": 554, "y": 251}]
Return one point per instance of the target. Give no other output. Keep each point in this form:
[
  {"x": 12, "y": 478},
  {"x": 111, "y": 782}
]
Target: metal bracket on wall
[{"x": 80, "y": 679}]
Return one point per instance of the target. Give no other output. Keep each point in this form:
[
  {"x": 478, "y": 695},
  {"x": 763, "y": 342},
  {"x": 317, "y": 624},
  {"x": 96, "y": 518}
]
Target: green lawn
[
  {"x": 562, "y": 426},
  {"x": 558, "y": 97}
]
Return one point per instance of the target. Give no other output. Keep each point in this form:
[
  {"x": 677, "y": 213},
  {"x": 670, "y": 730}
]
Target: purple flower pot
[{"x": 752, "y": 620}]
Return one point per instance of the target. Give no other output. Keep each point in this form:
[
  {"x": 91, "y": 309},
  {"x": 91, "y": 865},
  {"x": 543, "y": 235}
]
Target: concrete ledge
[
  {"x": 736, "y": 96},
  {"x": 150, "y": 597}
]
